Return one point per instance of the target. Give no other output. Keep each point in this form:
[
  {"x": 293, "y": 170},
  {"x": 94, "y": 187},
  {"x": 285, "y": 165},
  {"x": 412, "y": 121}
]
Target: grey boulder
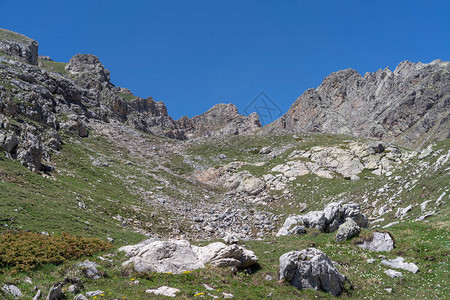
[
  {"x": 89, "y": 269},
  {"x": 311, "y": 268},
  {"x": 164, "y": 291},
  {"x": 164, "y": 256},
  {"x": 12, "y": 290},
  {"x": 55, "y": 292},
  {"x": 393, "y": 274},
  {"x": 220, "y": 255},
  {"x": 380, "y": 241},
  {"x": 347, "y": 230}
]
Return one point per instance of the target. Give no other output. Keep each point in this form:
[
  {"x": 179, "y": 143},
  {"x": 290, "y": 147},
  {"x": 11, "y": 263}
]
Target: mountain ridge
[{"x": 409, "y": 106}]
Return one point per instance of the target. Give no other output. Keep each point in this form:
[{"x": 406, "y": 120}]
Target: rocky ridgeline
[
  {"x": 36, "y": 104},
  {"x": 409, "y": 105}
]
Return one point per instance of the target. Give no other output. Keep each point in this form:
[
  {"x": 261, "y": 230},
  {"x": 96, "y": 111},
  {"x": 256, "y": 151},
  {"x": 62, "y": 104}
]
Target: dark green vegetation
[
  {"x": 25, "y": 251},
  {"x": 92, "y": 200}
]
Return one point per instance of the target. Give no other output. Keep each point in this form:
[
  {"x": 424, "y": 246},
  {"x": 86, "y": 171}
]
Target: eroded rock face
[
  {"x": 328, "y": 220},
  {"x": 19, "y": 46},
  {"x": 409, "y": 105},
  {"x": 311, "y": 269}
]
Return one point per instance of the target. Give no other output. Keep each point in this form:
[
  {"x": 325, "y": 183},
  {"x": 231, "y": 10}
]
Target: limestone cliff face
[{"x": 410, "y": 105}]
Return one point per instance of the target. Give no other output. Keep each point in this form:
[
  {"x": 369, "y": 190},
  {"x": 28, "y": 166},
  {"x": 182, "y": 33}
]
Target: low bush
[{"x": 22, "y": 251}]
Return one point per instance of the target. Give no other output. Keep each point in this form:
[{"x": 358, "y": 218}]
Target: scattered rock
[
  {"x": 398, "y": 263},
  {"x": 164, "y": 291},
  {"x": 379, "y": 241},
  {"x": 55, "y": 292},
  {"x": 94, "y": 293},
  {"x": 90, "y": 269},
  {"x": 391, "y": 224},
  {"x": 401, "y": 212},
  {"x": 265, "y": 150},
  {"x": 311, "y": 268},
  {"x": 227, "y": 295},
  {"x": 37, "y": 295},
  {"x": 231, "y": 238},
  {"x": 12, "y": 290},
  {"x": 80, "y": 297},
  {"x": 268, "y": 277},
  {"x": 393, "y": 274},
  {"x": 426, "y": 152},
  {"x": 347, "y": 230},
  {"x": 378, "y": 147}
]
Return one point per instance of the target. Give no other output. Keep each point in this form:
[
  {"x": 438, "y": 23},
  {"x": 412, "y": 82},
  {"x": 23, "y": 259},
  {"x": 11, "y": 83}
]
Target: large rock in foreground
[
  {"x": 164, "y": 257},
  {"x": 328, "y": 220},
  {"x": 311, "y": 269},
  {"x": 178, "y": 256}
]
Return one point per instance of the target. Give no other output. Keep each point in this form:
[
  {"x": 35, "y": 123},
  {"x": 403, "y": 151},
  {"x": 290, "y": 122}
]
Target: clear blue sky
[{"x": 194, "y": 54}]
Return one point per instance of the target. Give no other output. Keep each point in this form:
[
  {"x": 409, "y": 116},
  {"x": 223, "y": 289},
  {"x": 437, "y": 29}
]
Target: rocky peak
[
  {"x": 89, "y": 72},
  {"x": 19, "y": 46},
  {"x": 409, "y": 106}
]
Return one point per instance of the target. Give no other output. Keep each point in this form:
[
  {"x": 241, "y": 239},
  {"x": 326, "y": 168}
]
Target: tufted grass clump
[{"x": 23, "y": 251}]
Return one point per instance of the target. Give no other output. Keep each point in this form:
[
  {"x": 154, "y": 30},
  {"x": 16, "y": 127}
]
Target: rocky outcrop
[
  {"x": 328, "y": 220},
  {"x": 19, "y": 46},
  {"x": 409, "y": 105},
  {"x": 311, "y": 269}
]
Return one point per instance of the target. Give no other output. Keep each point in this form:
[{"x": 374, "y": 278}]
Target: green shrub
[{"x": 22, "y": 251}]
